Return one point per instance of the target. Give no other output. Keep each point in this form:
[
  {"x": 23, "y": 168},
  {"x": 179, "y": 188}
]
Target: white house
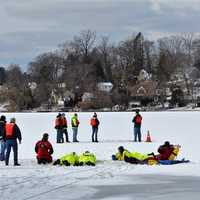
[{"x": 105, "y": 86}]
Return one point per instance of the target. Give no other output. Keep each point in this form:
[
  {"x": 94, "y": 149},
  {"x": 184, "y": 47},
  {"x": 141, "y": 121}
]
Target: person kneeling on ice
[
  {"x": 131, "y": 157},
  {"x": 87, "y": 158},
  {"x": 167, "y": 155},
  {"x": 167, "y": 151},
  {"x": 44, "y": 150},
  {"x": 68, "y": 159}
]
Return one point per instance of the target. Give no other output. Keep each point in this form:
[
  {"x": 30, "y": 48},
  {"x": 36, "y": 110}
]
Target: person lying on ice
[
  {"x": 131, "y": 157},
  {"x": 68, "y": 159},
  {"x": 87, "y": 158},
  {"x": 44, "y": 150}
]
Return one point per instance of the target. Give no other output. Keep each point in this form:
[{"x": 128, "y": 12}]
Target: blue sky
[{"x": 32, "y": 27}]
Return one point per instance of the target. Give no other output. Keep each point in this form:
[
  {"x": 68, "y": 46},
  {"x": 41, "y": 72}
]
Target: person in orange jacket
[
  {"x": 11, "y": 135},
  {"x": 94, "y": 122}
]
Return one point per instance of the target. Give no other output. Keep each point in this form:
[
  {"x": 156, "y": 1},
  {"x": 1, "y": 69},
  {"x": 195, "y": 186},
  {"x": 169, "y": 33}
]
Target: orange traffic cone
[{"x": 148, "y": 137}]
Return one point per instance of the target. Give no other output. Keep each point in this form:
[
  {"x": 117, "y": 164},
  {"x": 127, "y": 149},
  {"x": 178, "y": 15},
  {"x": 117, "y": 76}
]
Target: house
[
  {"x": 32, "y": 85},
  {"x": 145, "y": 92},
  {"x": 105, "y": 86},
  {"x": 87, "y": 97},
  {"x": 145, "y": 89}
]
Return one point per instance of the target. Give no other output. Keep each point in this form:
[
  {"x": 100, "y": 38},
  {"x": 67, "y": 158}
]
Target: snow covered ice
[{"x": 109, "y": 179}]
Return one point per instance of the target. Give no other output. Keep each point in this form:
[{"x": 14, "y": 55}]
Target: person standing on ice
[
  {"x": 94, "y": 122},
  {"x": 75, "y": 123},
  {"x": 59, "y": 128},
  {"x": 2, "y": 142},
  {"x": 64, "y": 124},
  {"x": 44, "y": 150},
  {"x": 137, "y": 120},
  {"x": 11, "y": 135}
]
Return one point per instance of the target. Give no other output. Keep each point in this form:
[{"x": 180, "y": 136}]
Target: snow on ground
[{"x": 108, "y": 179}]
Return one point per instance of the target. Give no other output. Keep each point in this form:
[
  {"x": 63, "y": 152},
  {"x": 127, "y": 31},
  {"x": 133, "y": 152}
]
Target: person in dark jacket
[
  {"x": 94, "y": 122},
  {"x": 2, "y": 142},
  {"x": 12, "y": 133},
  {"x": 64, "y": 125},
  {"x": 137, "y": 120},
  {"x": 44, "y": 150}
]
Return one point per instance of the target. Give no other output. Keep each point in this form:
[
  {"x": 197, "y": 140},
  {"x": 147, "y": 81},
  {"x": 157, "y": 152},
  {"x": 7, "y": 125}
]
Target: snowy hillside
[{"x": 108, "y": 179}]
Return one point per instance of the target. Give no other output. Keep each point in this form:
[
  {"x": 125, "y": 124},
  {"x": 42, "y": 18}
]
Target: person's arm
[
  {"x": 18, "y": 133},
  {"x": 51, "y": 149},
  {"x": 133, "y": 120},
  {"x": 36, "y": 148}
]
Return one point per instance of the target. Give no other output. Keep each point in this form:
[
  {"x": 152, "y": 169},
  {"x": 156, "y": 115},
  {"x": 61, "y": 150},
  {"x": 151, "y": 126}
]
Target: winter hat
[
  {"x": 3, "y": 118},
  {"x": 121, "y": 149},
  {"x": 59, "y": 115},
  {"x": 167, "y": 143},
  {"x": 45, "y": 136},
  {"x": 63, "y": 114},
  {"x": 137, "y": 111},
  {"x": 12, "y": 120}
]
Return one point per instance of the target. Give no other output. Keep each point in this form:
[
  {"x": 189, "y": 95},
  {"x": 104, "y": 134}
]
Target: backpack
[
  {"x": 93, "y": 122},
  {"x": 138, "y": 119}
]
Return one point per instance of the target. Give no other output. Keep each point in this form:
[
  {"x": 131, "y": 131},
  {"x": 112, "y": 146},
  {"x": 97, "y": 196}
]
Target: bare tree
[{"x": 84, "y": 43}]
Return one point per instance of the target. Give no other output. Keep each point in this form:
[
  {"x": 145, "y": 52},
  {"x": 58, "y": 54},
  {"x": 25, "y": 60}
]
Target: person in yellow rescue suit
[
  {"x": 68, "y": 159},
  {"x": 131, "y": 157},
  {"x": 87, "y": 158},
  {"x": 75, "y": 123}
]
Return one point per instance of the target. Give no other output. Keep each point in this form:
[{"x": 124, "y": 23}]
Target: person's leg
[
  {"x": 135, "y": 134},
  {"x": 139, "y": 134},
  {"x": 15, "y": 151},
  {"x": 8, "y": 149},
  {"x": 57, "y": 162},
  {"x": 93, "y": 132},
  {"x": 2, "y": 151},
  {"x": 66, "y": 135},
  {"x": 57, "y": 138},
  {"x": 74, "y": 134},
  {"x": 62, "y": 136},
  {"x": 131, "y": 160},
  {"x": 66, "y": 163},
  {"x": 96, "y": 136}
]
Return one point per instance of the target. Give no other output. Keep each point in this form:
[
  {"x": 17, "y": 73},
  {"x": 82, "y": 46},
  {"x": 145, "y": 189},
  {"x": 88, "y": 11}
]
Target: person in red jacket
[
  {"x": 44, "y": 150},
  {"x": 94, "y": 122},
  {"x": 59, "y": 128},
  {"x": 165, "y": 151}
]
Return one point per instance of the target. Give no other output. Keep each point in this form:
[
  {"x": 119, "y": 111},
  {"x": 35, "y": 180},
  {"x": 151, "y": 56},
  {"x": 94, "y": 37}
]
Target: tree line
[{"x": 87, "y": 60}]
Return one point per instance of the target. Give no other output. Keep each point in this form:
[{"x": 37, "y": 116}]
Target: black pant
[
  {"x": 133, "y": 160},
  {"x": 66, "y": 134}
]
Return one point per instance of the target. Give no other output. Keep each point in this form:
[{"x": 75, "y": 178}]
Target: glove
[{"x": 114, "y": 157}]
